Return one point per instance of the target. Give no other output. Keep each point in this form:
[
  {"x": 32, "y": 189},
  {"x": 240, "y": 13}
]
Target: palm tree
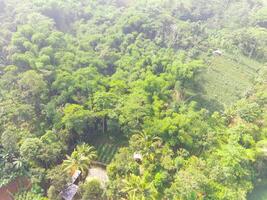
[
  {"x": 144, "y": 136},
  {"x": 18, "y": 163},
  {"x": 80, "y": 159},
  {"x": 86, "y": 150},
  {"x": 137, "y": 187},
  {"x": 147, "y": 143}
]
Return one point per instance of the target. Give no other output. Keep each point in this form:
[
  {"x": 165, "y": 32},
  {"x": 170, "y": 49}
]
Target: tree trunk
[{"x": 105, "y": 124}]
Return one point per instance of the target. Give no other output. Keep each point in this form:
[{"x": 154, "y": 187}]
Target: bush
[
  {"x": 29, "y": 196},
  {"x": 92, "y": 190}
]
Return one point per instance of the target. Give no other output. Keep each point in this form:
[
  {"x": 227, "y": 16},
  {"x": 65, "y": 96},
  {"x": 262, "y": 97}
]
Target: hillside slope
[{"x": 226, "y": 79}]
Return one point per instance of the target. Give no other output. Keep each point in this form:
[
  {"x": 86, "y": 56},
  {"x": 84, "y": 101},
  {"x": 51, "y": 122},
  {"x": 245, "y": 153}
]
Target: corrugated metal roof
[
  {"x": 75, "y": 175},
  {"x": 69, "y": 192}
]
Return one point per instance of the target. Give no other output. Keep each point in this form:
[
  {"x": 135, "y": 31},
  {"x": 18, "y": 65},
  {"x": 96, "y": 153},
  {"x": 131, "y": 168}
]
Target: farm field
[
  {"x": 107, "y": 147},
  {"x": 226, "y": 79}
]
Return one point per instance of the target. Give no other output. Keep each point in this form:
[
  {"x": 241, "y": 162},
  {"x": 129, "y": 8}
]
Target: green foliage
[
  {"x": 221, "y": 86},
  {"x": 252, "y": 42},
  {"x": 92, "y": 190},
  {"x": 9, "y": 140},
  {"x": 80, "y": 159},
  {"x": 28, "y": 196},
  {"x": 31, "y": 150},
  {"x": 260, "y": 17},
  {"x": 59, "y": 179},
  {"x": 106, "y": 152},
  {"x": 76, "y": 118},
  {"x": 146, "y": 76},
  {"x": 190, "y": 182}
]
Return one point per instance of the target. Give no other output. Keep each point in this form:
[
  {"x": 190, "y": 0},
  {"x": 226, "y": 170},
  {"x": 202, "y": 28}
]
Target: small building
[
  {"x": 72, "y": 189},
  {"x": 75, "y": 176},
  {"x": 138, "y": 157},
  {"x": 69, "y": 192},
  {"x": 217, "y": 53}
]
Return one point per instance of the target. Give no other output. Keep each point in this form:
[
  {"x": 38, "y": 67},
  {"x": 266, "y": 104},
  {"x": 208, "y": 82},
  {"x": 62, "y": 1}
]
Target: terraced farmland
[
  {"x": 107, "y": 148},
  {"x": 106, "y": 152},
  {"x": 226, "y": 79}
]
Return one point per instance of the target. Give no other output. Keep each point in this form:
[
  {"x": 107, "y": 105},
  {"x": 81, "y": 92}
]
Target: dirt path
[{"x": 98, "y": 173}]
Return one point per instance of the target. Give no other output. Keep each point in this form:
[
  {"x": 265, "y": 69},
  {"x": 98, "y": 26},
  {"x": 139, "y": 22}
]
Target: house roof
[
  {"x": 69, "y": 192},
  {"x": 137, "y": 156},
  {"x": 218, "y": 52},
  {"x": 75, "y": 175}
]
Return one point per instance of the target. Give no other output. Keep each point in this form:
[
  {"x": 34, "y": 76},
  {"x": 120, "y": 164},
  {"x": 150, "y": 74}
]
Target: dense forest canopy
[{"x": 171, "y": 95}]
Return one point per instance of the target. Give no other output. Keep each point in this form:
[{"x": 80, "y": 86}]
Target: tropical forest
[{"x": 133, "y": 100}]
